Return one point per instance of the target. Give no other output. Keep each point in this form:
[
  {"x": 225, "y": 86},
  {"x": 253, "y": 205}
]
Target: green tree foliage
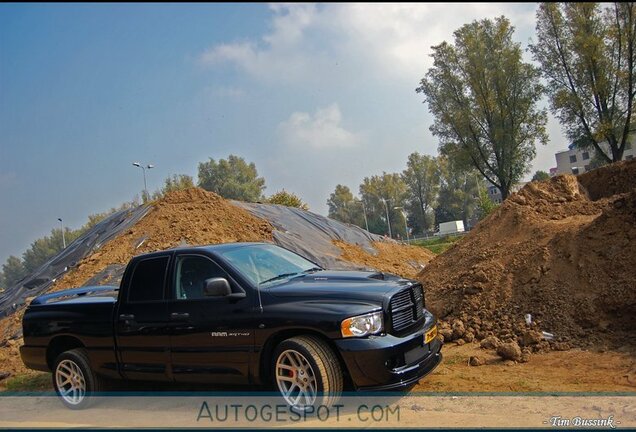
[
  {"x": 13, "y": 270},
  {"x": 587, "y": 55},
  {"x": 540, "y": 175},
  {"x": 174, "y": 183},
  {"x": 42, "y": 249},
  {"x": 288, "y": 199},
  {"x": 458, "y": 194},
  {"x": 485, "y": 205},
  {"x": 344, "y": 207},
  {"x": 375, "y": 191},
  {"x": 483, "y": 98},
  {"x": 423, "y": 179},
  {"x": 232, "y": 179}
]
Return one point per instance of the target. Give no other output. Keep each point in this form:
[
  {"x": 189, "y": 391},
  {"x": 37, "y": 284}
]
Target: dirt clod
[
  {"x": 475, "y": 361},
  {"x": 491, "y": 342},
  {"x": 509, "y": 351}
]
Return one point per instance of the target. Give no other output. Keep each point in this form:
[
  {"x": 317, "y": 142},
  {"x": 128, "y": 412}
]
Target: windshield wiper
[
  {"x": 280, "y": 276},
  {"x": 312, "y": 270}
]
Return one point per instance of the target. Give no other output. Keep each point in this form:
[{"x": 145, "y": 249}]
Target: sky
[{"x": 314, "y": 94}]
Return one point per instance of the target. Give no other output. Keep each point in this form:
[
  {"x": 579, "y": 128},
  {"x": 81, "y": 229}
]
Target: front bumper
[{"x": 389, "y": 362}]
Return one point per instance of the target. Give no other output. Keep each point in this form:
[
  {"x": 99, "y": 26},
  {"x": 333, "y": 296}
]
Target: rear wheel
[
  {"x": 307, "y": 372},
  {"x": 74, "y": 381}
]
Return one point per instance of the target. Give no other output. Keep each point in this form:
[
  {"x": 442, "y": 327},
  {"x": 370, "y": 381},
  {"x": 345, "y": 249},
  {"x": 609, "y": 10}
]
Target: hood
[{"x": 352, "y": 285}]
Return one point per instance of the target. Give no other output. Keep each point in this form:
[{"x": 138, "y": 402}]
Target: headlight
[{"x": 362, "y": 325}]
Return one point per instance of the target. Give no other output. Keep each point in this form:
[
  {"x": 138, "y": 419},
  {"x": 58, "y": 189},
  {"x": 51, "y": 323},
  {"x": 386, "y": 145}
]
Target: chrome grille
[{"x": 406, "y": 307}]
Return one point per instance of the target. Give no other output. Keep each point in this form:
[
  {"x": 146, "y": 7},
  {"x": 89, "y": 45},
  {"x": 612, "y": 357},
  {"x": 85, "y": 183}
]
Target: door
[
  {"x": 141, "y": 324},
  {"x": 211, "y": 337}
]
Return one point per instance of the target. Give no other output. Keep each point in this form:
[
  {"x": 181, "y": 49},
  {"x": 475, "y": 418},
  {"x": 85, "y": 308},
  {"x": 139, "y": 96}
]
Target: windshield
[{"x": 267, "y": 265}]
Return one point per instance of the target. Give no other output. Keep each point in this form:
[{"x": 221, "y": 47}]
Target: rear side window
[{"x": 148, "y": 280}]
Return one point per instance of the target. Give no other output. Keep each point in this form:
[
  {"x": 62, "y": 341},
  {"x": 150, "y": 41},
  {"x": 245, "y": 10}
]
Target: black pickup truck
[{"x": 250, "y": 313}]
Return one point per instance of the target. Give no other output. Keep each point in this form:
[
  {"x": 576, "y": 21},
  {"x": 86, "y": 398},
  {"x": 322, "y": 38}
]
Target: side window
[
  {"x": 191, "y": 273},
  {"x": 148, "y": 280}
]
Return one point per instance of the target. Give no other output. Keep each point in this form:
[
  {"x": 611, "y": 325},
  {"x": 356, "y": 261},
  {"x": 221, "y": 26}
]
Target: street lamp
[
  {"x": 63, "y": 238},
  {"x": 388, "y": 221},
  {"x": 406, "y": 227},
  {"x": 364, "y": 211},
  {"x": 149, "y": 166}
]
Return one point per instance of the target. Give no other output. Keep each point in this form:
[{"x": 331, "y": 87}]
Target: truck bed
[{"x": 84, "y": 313}]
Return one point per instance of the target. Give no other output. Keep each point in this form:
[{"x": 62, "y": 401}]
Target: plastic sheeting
[
  {"x": 39, "y": 282},
  {"x": 301, "y": 231},
  {"x": 312, "y": 235}
]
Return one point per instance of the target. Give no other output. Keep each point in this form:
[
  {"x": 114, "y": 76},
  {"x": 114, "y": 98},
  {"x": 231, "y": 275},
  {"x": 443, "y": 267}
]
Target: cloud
[
  {"x": 305, "y": 40},
  {"x": 318, "y": 131},
  {"x": 277, "y": 55}
]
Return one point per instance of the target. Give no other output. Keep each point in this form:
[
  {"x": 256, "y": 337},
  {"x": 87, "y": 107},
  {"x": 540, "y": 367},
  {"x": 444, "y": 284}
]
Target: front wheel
[
  {"x": 307, "y": 372},
  {"x": 74, "y": 381}
]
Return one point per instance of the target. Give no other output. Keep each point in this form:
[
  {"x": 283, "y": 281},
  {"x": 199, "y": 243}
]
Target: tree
[
  {"x": 344, "y": 207},
  {"x": 483, "y": 98},
  {"x": 232, "y": 179},
  {"x": 485, "y": 204},
  {"x": 174, "y": 183},
  {"x": 13, "y": 270},
  {"x": 288, "y": 199},
  {"x": 459, "y": 193},
  {"x": 540, "y": 175},
  {"x": 422, "y": 177},
  {"x": 587, "y": 58},
  {"x": 382, "y": 193}
]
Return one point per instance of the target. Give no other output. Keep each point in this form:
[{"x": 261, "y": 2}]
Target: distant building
[
  {"x": 494, "y": 194},
  {"x": 577, "y": 161}
]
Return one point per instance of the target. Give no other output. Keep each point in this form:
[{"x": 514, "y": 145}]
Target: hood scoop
[{"x": 346, "y": 276}]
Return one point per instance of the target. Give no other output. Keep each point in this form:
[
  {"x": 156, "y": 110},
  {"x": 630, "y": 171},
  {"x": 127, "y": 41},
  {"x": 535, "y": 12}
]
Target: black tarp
[
  {"x": 39, "y": 281},
  {"x": 303, "y": 232},
  {"x": 312, "y": 235}
]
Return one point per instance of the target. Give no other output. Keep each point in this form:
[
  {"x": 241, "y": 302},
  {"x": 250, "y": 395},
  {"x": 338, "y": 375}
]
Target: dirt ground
[{"x": 556, "y": 371}]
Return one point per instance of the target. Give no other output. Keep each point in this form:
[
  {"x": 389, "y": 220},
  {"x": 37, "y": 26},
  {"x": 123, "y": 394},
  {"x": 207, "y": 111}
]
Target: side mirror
[{"x": 217, "y": 287}]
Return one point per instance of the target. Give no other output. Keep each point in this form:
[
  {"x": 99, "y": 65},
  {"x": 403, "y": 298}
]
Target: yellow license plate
[{"x": 430, "y": 335}]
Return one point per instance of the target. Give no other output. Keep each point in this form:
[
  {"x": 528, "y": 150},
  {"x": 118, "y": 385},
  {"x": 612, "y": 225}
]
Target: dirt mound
[
  {"x": 193, "y": 216},
  {"x": 561, "y": 250},
  {"x": 406, "y": 261}
]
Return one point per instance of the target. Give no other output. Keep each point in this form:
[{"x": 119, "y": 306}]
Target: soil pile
[
  {"x": 562, "y": 250},
  {"x": 187, "y": 217},
  {"x": 403, "y": 260}
]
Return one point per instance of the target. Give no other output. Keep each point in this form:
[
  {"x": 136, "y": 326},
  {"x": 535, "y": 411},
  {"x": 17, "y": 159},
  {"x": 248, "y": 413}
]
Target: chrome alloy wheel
[
  {"x": 70, "y": 382},
  {"x": 296, "y": 379}
]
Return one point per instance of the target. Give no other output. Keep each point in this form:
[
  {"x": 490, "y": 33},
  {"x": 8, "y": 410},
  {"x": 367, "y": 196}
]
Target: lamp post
[
  {"x": 63, "y": 238},
  {"x": 364, "y": 212},
  {"x": 406, "y": 227},
  {"x": 149, "y": 166},
  {"x": 388, "y": 220}
]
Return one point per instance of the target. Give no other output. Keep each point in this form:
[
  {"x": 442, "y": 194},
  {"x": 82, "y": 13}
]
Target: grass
[
  {"x": 28, "y": 382},
  {"x": 437, "y": 245}
]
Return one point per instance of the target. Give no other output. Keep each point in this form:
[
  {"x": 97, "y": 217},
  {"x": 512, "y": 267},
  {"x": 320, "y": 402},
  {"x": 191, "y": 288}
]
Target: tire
[
  {"x": 74, "y": 381},
  {"x": 307, "y": 372}
]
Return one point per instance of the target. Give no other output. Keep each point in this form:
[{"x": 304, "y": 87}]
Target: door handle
[
  {"x": 126, "y": 317},
  {"x": 176, "y": 316}
]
